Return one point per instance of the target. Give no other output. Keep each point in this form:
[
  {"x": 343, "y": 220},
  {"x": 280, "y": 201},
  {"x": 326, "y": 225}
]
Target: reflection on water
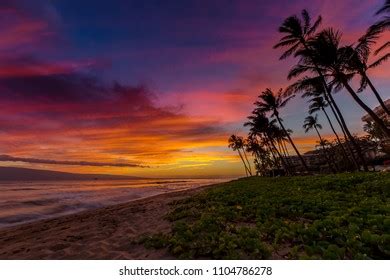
[{"x": 22, "y": 202}]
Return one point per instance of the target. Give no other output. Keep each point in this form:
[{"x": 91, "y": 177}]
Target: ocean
[{"x": 23, "y": 202}]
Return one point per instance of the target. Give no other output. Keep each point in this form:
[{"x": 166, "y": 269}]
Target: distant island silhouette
[{"x": 27, "y": 174}]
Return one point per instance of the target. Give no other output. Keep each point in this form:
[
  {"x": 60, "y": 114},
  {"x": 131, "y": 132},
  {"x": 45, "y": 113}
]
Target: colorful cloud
[{"x": 151, "y": 83}]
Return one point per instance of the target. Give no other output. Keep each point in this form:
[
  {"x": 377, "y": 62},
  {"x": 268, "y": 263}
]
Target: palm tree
[
  {"x": 236, "y": 143},
  {"x": 332, "y": 59},
  {"x": 358, "y": 62},
  {"x": 261, "y": 155},
  {"x": 261, "y": 126},
  {"x": 270, "y": 103},
  {"x": 383, "y": 23},
  {"x": 298, "y": 34},
  {"x": 312, "y": 123},
  {"x": 319, "y": 104},
  {"x": 245, "y": 144}
]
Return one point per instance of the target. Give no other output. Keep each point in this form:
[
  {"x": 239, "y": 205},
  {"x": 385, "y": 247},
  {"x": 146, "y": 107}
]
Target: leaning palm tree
[
  {"x": 357, "y": 60},
  {"x": 298, "y": 33},
  {"x": 236, "y": 143},
  {"x": 319, "y": 104},
  {"x": 261, "y": 155},
  {"x": 260, "y": 126},
  {"x": 271, "y": 103},
  {"x": 312, "y": 123},
  {"x": 333, "y": 60}
]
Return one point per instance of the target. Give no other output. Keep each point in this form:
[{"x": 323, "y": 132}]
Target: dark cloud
[
  {"x": 52, "y": 88},
  {"x": 67, "y": 162}
]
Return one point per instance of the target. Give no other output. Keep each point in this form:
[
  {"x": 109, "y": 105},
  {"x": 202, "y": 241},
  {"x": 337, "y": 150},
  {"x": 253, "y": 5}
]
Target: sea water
[{"x": 23, "y": 202}]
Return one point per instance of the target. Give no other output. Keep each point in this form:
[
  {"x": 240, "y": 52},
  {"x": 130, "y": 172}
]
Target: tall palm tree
[
  {"x": 245, "y": 144},
  {"x": 358, "y": 62},
  {"x": 319, "y": 104},
  {"x": 333, "y": 59},
  {"x": 261, "y": 126},
  {"x": 236, "y": 143},
  {"x": 315, "y": 90},
  {"x": 275, "y": 133},
  {"x": 271, "y": 103},
  {"x": 261, "y": 155},
  {"x": 298, "y": 34},
  {"x": 312, "y": 123}
]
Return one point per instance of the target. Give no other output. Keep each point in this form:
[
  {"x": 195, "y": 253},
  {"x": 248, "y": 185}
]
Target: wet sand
[{"x": 105, "y": 233}]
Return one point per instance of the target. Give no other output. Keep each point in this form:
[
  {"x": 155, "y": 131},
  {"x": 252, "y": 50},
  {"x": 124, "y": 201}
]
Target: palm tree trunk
[
  {"x": 326, "y": 153},
  {"x": 271, "y": 150},
  {"x": 339, "y": 116},
  {"x": 246, "y": 170},
  {"x": 374, "y": 116},
  {"x": 337, "y": 137},
  {"x": 348, "y": 136},
  {"x": 280, "y": 156},
  {"x": 292, "y": 143},
  {"x": 285, "y": 148},
  {"x": 249, "y": 165},
  {"x": 288, "y": 159},
  {"x": 383, "y": 105},
  {"x": 261, "y": 162}
]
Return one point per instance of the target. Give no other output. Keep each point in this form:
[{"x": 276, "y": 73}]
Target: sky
[{"x": 152, "y": 88}]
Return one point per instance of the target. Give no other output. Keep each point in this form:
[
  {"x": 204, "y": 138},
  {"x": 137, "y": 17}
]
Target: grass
[{"x": 345, "y": 216}]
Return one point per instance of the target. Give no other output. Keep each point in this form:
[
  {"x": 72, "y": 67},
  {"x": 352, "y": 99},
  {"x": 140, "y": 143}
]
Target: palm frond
[
  {"x": 315, "y": 26},
  {"x": 285, "y": 101},
  {"x": 298, "y": 70},
  {"x": 290, "y": 51},
  {"x": 379, "y": 61},
  {"x": 306, "y": 20},
  {"x": 284, "y": 43},
  {"x": 385, "y": 8},
  {"x": 381, "y": 48}
]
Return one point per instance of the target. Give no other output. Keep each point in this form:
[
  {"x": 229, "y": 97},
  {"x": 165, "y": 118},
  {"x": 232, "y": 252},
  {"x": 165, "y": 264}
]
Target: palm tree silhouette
[
  {"x": 332, "y": 60},
  {"x": 298, "y": 34},
  {"x": 262, "y": 157},
  {"x": 261, "y": 126},
  {"x": 236, "y": 143},
  {"x": 383, "y": 23},
  {"x": 315, "y": 90},
  {"x": 358, "y": 62},
  {"x": 312, "y": 123},
  {"x": 270, "y": 103},
  {"x": 318, "y": 103}
]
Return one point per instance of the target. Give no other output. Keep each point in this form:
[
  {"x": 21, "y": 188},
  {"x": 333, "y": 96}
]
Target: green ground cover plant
[{"x": 344, "y": 216}]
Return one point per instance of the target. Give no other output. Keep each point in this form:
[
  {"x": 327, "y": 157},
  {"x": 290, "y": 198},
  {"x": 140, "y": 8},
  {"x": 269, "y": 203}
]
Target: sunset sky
[{"x": 151, "y": 88}]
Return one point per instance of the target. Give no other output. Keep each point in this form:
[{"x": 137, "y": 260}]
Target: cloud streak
[{"x": 68, "y": 162}]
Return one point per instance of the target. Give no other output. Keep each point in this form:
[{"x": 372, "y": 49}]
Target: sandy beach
[{"x": 105, "y": 233}]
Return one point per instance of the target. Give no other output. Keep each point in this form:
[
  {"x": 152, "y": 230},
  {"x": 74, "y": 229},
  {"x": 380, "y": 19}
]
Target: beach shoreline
[{"x": 103, "y": 233}]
